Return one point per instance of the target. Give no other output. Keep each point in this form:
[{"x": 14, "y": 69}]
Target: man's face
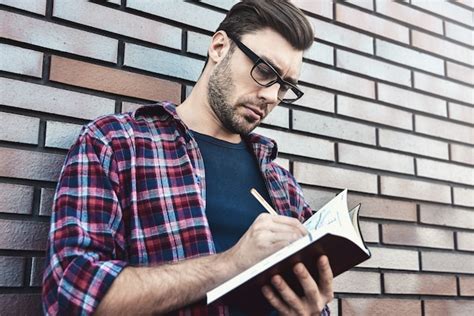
[{"x": 237, "y": 100}]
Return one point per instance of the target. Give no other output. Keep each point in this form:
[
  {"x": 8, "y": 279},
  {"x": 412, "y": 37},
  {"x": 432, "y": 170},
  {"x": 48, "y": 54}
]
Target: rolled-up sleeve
[{"x": 86, "y": 235}]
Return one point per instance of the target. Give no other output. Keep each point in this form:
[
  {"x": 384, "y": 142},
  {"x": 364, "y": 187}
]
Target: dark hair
[{"x": 280, "y": 15}]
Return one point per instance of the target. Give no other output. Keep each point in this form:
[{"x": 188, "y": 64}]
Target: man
[{"x": 152, "y": 208}]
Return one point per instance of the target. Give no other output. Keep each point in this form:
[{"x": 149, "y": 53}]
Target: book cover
[{"x": 332, "y": 231}]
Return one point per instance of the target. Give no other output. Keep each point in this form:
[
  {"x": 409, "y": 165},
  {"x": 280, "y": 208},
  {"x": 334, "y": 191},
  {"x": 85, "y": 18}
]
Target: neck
[{"x": 198, "y": 115}]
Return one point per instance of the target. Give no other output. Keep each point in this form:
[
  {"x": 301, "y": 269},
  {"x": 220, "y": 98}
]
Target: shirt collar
[{"x": 265, "y": 148}]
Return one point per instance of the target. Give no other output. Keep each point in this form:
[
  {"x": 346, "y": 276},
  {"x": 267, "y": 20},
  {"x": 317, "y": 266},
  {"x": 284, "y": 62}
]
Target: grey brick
[
  {"x": 16, "y": 199},
  {"x": 162, "y": 62},
  {"x": 333, "y": 127},
  {"x": 30, "y": 164},
  {"x": 23, "y": 235},
  {"x": 19, "y": 128},
  {"x": 61, "y": 135},
  {"x": 12, "y": 271},
  {"x": 41, "y": 98}
]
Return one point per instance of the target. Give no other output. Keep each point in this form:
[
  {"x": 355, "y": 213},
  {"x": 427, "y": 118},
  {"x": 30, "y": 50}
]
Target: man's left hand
[{"x": 317, "y": 295}]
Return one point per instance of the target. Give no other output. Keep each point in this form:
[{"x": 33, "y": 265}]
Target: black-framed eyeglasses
[{"x": 265, "y": 75}]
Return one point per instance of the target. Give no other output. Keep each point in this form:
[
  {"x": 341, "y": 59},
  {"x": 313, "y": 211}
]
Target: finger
[
  {"x": 287, "y": 294},
  {"x": 274, "y": 300},
  {"x": 325, "y": 277},
  {"x": 309, "y": 285},
  {"x": 291, "y": 222}
]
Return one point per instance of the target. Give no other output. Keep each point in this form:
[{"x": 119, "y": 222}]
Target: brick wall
[{"x": 388, "y": 113}]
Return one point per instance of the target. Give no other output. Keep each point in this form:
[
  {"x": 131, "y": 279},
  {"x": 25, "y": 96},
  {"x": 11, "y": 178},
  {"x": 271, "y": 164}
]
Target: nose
[{"x": 269, "y": 94}]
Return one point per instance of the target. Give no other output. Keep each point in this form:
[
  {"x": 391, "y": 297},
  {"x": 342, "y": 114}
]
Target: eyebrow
[{"x": 278, "y": 69}]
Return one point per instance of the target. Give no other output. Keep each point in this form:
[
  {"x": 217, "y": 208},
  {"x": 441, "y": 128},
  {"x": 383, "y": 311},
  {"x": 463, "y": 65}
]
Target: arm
[
  {"x": 161, "y": 289},
  {"x": 165, "y": 288}
]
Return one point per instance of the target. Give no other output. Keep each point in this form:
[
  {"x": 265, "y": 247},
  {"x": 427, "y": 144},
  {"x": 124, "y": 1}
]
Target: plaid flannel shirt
[{"x": 132, "y": 192}]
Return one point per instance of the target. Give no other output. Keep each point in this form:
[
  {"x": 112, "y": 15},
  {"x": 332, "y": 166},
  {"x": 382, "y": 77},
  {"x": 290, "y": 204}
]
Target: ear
[{"x": 219, "y": 47}]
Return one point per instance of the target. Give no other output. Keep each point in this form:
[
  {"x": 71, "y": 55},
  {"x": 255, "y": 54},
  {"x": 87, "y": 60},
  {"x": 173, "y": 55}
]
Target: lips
[{"x": 255, "y": 110}]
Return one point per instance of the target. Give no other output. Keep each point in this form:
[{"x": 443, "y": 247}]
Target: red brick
[
  {"x": 112, "y": 80},
  {"x": 131, "y": 25},
  {"x": 462, "y": 153},
  {"x": 411, "y": 100},
  {"x": 461, "y": 112},
  {"x": 443, "y": 129},
  {"x": 463, "y": 196},
  {"x": 300, "y": 145},
  {"x": 466, "y": 285},
  {"x": 420, "y": 284},
  {"x": 460, "y": 73},
  {"x": 459, "y": 33},
  {"x": 441, "y": 47},
  {"x": 411, "y": 235},
  {"x": 333, "y": 127},
  {"x": 162, "y": 62},
  {"x": 12, "y": 270},
  {"x": 341, "y": 36},
  {"x": 19, "y": 128},
  {"x": 446, "y": 9},
  {"x": 373, "y": 68},
  {"x": 445, "y": 215},
  {"x": 465, "y": 241},
  {"x": 50, "y": 100},
  {"x": 379, "y": 306},
  {"x": 409, "y": 57},
  {"x": 409, "y": 15},
  {"x": 358, "y": 282},
  {"x": 371, "y": 23},
  {"x": 37, "y": 268},
  {"x": 30, "y": 164},
  {"x": 337, "y": 80},
  {"x": 370, "y": 231},
  {"x": 46, "y": 202},
  {"x": 447, "y": 262},
  {"x": 446, "y": 307},
  {"x": 36, "y": 6},
  {"x": 334, "y": 177},
  {"x": 374, "y": 112},
  {"x": 317, "y": 99},
  {"x": 58, "y": 37},
  {"x": 322, "y": 8},
  {"x": 280, "y": 117},
  {"x": 173, "y": 10},
  {"x": 377, "y": 159},
  {"x": 23, "y": 235},
  {"x": 413, "y": 144},
  {"x": 21, "y": 61},
  {"x": 377, "y": 207},
  {"x": 415, "y": 189},
  {"x": 61, "y": 135},
  {"x": 16, "y": 199},
  {"x": 445, "y": 171},
  {"x": 20, "y": 304},
  {"x": 390, "y": 258}
]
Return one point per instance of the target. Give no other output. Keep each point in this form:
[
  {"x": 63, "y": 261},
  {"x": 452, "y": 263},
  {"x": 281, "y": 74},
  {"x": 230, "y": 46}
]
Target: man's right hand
[{"x": 267, "y": 234}]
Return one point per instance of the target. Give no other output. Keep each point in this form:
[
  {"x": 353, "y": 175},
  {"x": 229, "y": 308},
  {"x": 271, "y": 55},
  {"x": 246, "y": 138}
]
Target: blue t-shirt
[{"x": 231, "y": 171}]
